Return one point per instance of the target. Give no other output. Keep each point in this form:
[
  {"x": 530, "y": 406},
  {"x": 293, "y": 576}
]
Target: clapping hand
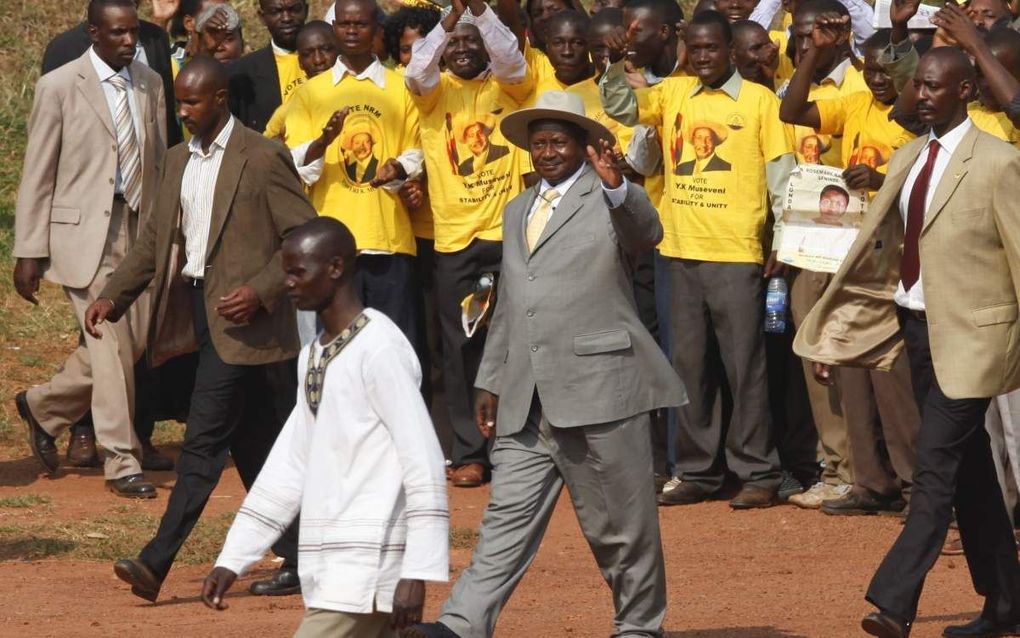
[
  {"x": 831, "y": 29},
  {"x": 604, "y": 162}
]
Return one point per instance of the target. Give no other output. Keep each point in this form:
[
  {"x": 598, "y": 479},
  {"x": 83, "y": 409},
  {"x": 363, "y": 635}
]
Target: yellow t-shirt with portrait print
[
  {"x": 290, "y": 72},
  {"x": 994, "y": 123},
  {"x": 473, "y": 172},
  {"x": 812, "y": 147},
  {"x": 869, "y": 136},
  {"x": 715, "y": 149},
  {"x": 382, "y": 124},
  {"x": 421, "y": 219}
]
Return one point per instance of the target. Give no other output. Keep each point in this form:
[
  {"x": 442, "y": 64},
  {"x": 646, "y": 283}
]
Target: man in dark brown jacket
[{"x": 212, "y": 248}]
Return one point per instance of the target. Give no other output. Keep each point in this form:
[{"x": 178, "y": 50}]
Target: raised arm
[
  {"x": 830, "y": 30},
  {"x": 505, "y": 57}
]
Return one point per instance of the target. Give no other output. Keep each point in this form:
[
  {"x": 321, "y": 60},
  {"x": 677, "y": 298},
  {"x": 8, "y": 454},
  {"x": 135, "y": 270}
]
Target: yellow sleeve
[
  {"x": 649, "y": 102},
  {"x": 275, "y": 128},
  {"x": 298, "y": 122},
  {"x": 428, "y": 102},
  {"x": 832, "y": 115},
  {"x": 775, "y": 137},
  {"x": 412, "y": 131}
]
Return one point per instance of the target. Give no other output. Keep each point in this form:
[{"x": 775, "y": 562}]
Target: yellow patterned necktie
[{"x": 540, "y": 218}]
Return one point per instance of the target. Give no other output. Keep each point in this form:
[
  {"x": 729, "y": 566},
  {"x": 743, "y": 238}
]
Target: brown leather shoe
[
  {"x": 41, "y": 443},
  {"x": 470, "y": 475},
  {"x": 134, "y": 572},
  {"x": 81, "y": 448},
  {"x": 753, "y": 497}
]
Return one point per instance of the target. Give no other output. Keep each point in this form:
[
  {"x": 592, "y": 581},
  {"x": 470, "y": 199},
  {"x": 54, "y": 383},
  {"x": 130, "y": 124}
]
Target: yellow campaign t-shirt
[
  {"x": 539, "y": 66},
  {"x": 276, "y": 126},
  {"x": 714, "y": 149},
  {"x": 869, "y": 136},
  {"x": 291, "y": 74},
  {"x": 421, "y": 219},
  {"x": 785, "y": 70},
  {"x": 382, "y": 124},
  {"x": 473, "y": 171},
  {"x": 993, "y": 123},
  {"x": 813, "y": 147}
]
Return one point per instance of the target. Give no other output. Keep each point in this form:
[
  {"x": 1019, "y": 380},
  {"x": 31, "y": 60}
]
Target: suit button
[
  {"x": 106, "y": 212},
  {"x": 111, "y": 180},
  {"x": 531, "y": 313},
  {"x": 534, "y": 348},
  {"x": 114, "y": 147},
  {"x": 531, "y": 277}
]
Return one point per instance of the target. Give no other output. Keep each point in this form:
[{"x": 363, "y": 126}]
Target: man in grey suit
[{"x": 574, "y": 375}]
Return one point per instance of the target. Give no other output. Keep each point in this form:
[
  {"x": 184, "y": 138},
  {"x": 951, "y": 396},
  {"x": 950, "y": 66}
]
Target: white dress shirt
[
  {"x": 104, "y": 72},
  {"x": 366, "y": 473},
  {"x": 198, "y": 186},
  {"x": 506, "y": 62},
  {"x": 914, "y": 298},
  {"x": 616, "y": 195}
]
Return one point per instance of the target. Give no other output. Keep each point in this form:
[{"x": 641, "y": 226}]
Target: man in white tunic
[{"x": 358, "y": 457}]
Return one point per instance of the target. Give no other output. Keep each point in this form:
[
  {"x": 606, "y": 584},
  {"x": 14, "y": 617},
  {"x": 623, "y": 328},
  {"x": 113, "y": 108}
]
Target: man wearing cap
[{"x": 568, "y": 378}]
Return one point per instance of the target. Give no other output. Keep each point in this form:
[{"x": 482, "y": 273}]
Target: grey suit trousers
[{"x": 607, "y": 469}]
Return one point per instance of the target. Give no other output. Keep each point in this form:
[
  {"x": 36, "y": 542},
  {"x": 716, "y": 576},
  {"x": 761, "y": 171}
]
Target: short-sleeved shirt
[
  {"x": 869, "y": 136},
  {"x": 716, "y": 143}
]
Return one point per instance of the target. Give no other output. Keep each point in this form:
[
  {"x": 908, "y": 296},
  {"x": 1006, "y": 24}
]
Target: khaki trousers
[
  {"x": 325, "y": 623},
  {"x": 806, "y": 289},
  {"x": 110, "y": 361},
  {"x": 882, "y": 421}
]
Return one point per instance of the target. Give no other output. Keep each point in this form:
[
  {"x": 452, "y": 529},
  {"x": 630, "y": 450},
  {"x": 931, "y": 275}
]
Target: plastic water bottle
[{"x": 775, "y": 306}]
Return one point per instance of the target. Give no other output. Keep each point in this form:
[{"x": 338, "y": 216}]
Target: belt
[
  {"x": 195, "y": 283},
  {"x": 920, "y": 315}
]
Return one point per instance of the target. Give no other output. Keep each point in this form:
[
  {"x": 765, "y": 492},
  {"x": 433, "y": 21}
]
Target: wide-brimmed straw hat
[
  {"x": 720, "y": 131},
  {"x": 553, "y": 105}
]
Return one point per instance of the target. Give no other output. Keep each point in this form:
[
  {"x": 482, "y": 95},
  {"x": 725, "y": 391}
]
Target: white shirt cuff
[{"x": 616, "y": 196}]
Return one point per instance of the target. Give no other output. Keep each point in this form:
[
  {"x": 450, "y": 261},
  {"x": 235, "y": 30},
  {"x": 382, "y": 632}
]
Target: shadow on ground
[{"x": 732, "y": 632}]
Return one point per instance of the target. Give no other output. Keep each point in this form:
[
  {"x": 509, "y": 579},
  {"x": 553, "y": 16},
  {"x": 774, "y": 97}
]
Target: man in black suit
[
  {"x": 256, "y": 90},
  {"x": 154, "y": 44}
]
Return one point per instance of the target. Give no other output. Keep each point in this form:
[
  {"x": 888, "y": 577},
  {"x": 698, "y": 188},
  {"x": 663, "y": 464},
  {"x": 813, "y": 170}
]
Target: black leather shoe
[
  {"x": 981, "y": 628},
  {"x": 153, "y": 461},
  {"x": 685, "y": 494},
  {"x": 753, "y": 497},
  {"x": 854, "y": 504},
  {"x": 283, "y": 583},
  {"x": 428, "y": 630},
  {"x": 81, "y": 448},
  {"x": 884, "y": 626},
  {"x": 134, "y": 572},
  {"x": 41, "y": 443},
  {"x": 132, "y": 486}
]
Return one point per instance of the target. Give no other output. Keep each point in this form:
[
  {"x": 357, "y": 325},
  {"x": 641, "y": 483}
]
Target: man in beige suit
[
  {"x": 96, "y": 141},
  {"x": 951, "y": 295}
]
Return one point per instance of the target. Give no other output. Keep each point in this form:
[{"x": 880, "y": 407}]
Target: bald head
[
  {"x": 318, "y": 260},
  {"x": 204, "y": 73},
  {"x": 945, "y": 83},
  {"x": 201, "y": 93},
  {"x": 324, "y": 238}
]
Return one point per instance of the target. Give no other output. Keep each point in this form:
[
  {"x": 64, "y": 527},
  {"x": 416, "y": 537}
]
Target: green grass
[
  {"x": 24, "y": 501},
  {"x": 106, "y": 538}
]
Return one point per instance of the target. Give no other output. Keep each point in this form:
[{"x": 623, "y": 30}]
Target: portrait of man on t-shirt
[
  {"x": 704, "y": 138},
  {"x": 475, "y": 134}
]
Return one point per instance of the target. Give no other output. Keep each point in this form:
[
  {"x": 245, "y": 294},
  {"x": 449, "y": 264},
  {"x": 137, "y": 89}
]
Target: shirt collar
[
  {"x": 730, "y": 87},
  {"x": 563, "y": 186},
  {"x": 104, "y": 71},
  {"x": 220, "y": 143},
  {"x": 951, "y": 139},
  {"x": 653, "y": 79},
  {"x": 838, "y": 74},
  {"x": 375, "y": 72},
  {"x": 278, "y": 50}
]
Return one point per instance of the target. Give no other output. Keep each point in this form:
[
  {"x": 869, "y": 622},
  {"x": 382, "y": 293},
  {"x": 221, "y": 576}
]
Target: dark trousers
[
  {"x": 234, "y": 408},
  {"x": 664, "y": 456},
  {"x": 721, "y": 307},
  {"x": 792, "y": 422},
  {"x": 456, "y": 276},
  {"x": 954, "y": 469},
  {"x": 428, "y": 349},
  {"x": 388, "y": 283}
]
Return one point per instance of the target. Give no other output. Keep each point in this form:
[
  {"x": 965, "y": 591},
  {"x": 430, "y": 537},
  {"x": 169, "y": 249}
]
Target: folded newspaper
[{"x": 821, "y": 218}]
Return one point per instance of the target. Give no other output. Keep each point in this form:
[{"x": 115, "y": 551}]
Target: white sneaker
[
  {"x": 812, "y": 499},
  {"x": 671, "y": 484}
]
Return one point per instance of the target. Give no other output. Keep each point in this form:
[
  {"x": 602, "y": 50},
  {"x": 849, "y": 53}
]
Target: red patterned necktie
[{"x": 910, "y": 266}]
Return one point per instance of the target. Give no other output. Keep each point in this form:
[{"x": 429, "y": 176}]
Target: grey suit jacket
[{"x": 565, "y": 319}]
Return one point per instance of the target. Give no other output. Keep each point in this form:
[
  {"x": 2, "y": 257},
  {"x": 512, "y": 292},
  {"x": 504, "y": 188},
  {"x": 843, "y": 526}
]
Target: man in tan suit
[
  {"x": 951, "y": 295},
  {"x": 212, "y": 250},
  {"x": 96, "y": 141}
]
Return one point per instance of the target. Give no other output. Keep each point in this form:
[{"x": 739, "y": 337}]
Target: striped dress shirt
[{"x": 198, "y": 187}]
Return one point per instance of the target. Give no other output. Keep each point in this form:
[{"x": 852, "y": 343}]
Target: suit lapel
[
  {"x": 89, "y": 85},
  {"x": 268, "y": 72},
  {"x": 952, "y": 176},
  {"x": 234, "y": 159},
  {"x": 569, "y": 205},
  {"x": 522, "y": 223}
]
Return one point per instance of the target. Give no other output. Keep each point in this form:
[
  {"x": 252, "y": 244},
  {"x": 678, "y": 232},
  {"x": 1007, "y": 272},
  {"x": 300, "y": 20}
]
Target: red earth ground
[{"x": 777, "y": 573}]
